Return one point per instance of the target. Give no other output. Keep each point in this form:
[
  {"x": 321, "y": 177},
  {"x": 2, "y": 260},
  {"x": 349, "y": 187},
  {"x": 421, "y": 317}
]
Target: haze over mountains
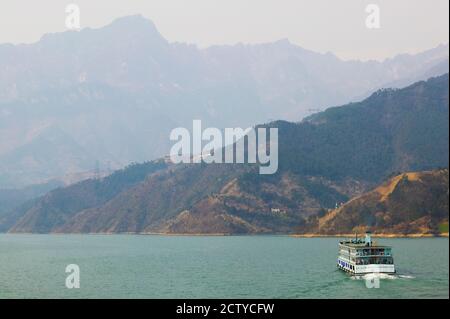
[
  {"x": 113, "y": 94},
  {"x": 326, "y": 159}
]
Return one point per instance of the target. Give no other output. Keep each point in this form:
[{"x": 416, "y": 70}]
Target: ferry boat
[{"x": 362, "y": 256}]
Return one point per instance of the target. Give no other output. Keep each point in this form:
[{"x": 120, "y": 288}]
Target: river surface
[{"x": 133, "y": 266}]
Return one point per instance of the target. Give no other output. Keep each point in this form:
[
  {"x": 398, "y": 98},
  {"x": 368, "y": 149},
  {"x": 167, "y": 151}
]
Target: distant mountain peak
[
  {"x": 134, "y": 25},
  {"x": 127, "y": 27},
  {"x": 284, "y": 41},
  {"x": 133, "y": 21}
]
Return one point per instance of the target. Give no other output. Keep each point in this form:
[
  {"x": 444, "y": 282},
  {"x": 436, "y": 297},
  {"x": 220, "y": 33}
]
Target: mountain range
[
  {"x": 112, "y": 95},
  {"x": 325, "y": 160}
]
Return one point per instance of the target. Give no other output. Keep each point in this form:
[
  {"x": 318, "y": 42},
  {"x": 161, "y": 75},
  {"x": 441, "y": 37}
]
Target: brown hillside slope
[
  {"x": 275, "y": 205},
  {"x": 410, "y": 203},
  {"x": 219, "y": 202}
]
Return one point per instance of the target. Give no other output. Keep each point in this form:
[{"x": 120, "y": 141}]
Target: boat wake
[{"x": 372, "y": 276}]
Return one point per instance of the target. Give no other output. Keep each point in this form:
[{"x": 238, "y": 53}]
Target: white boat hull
[
  {"x": 374, "y": 269},
  {"x": 366, "y": 269}
]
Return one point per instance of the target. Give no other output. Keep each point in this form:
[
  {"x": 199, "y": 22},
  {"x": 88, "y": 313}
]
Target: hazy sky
[{"x": 319, "y": 25}]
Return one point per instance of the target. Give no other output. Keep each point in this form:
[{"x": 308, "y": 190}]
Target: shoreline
[
  {"x": 311, "y": 235},
  {"x": 380, "y": 235}
]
